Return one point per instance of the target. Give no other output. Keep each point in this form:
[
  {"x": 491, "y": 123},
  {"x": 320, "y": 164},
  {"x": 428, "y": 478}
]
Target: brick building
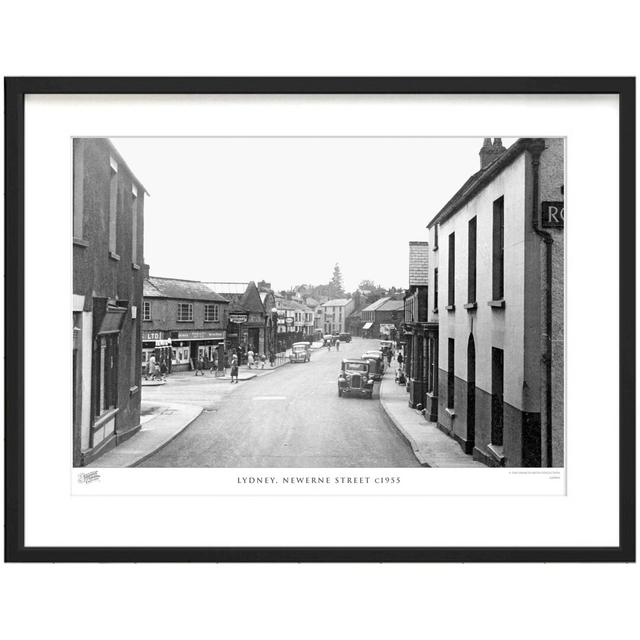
[
  {"x": 108, "y": 228},
  {"x": 383, "y": 318},
  {"x": 182, "y": 320}
]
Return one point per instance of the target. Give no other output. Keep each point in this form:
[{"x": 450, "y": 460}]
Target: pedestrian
[
  {"x": 151, "y": 366},
  {"x": 214, "y": 362},
  {"x": 250, "y": 358},
  {"x": 272, "y": 359},
  {"x": 389, "y": 356},
  {"x": 263, "y": 360},
  {"x": 222, "y": 364},
  {"x": 205, "y": 363},
  {"x": 400, "y": 359},
  {"x": 199, "y": 365},
  {"x": 234, "y": 368},
  {"x": 163, "y": 369},
  {"x": 338, "y": 345}
]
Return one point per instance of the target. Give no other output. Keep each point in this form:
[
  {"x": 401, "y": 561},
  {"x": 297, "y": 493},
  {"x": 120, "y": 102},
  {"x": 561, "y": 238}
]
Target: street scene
[{"x": 223, "y": 326}]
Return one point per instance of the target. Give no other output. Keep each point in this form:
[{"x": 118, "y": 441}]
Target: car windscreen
[{"x": 355, "y": 366}]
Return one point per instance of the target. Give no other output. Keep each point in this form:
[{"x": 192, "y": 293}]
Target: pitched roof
[
  {"x": 483, "y": 177},
  {"x": 418, "y": 263},
  {"x": 391, "y": 305},
  {"x": 337, "y": 302},
  {"x": 180, "y": 289},
  {"x": 230, "y": 288},
  {"x": 378, "y": 303}
]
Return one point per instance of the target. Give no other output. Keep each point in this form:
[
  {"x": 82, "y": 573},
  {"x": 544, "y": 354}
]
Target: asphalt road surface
[{"x": 292, "y": 417}]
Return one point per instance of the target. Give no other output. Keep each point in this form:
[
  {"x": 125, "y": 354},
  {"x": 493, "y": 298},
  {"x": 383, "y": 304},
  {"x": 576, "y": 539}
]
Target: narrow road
[{"x": 292, "y": 417}]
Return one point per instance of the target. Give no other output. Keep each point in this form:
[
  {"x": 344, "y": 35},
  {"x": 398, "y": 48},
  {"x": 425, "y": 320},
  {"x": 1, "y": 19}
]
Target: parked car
[
  {"x": 376, "y": 363},
  {"x": 345, "y": 337},
  {"x": 355, "y": 378},
  {"x": 300, "y": 352},
  {"x": 386, "y": 346}
]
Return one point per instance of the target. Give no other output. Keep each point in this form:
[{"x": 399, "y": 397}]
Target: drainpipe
[{"x": 536, "y": 149}]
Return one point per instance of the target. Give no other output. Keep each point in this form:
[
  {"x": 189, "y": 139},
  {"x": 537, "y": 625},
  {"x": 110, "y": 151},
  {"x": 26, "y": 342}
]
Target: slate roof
[
  {"x": 336, "y": 302},
  {"x": 391, "y": 305},
  {"x": 483, "y": 177},
  {"x": 418, "y": 263},
  {"x": 180, "y": 289},
  {"x": 378, "y": 303}
]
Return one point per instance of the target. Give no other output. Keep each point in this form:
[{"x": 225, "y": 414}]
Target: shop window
[
  {"x": 211, "y": 313},
  {"x": 105, "y": 395},
  {"x": 146, "y": 311},
  {"x": 185, "y": 312}
]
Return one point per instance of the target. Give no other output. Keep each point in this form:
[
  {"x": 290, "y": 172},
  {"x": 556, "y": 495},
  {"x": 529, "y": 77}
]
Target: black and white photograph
[{"x": 318, "y": 302}]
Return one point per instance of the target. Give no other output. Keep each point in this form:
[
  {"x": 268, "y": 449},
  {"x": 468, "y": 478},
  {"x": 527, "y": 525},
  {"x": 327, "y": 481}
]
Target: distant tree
[
  {"x": 367, "y": 285},
  {"x": 336, "y": 284}
]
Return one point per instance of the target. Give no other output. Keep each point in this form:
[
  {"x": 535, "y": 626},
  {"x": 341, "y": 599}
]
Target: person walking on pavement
[
  {"x": 234, "y": 368},
  {"x": 263, "y": 360},
  {"x": 400, "y": 359},
  {"x": 163, "y": 370},
  {"x": 151, "y": 367},
  {"x": 272, "y": 359},
  {"x": 338, "y": 345},
  {"x": 250, "y": 358}
]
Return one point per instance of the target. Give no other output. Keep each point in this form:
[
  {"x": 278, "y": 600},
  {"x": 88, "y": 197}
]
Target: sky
[{"x": 286, "y": 210}]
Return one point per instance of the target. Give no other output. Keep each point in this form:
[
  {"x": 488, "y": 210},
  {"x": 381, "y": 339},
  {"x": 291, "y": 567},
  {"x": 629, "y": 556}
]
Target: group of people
[
  {"x": 219, "y": 363},
  {"x": 155, "y": 370}
]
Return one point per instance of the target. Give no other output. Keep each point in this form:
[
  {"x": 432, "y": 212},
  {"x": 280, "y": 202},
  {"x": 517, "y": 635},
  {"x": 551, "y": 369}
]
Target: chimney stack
[{"x": 489, "y": 152}]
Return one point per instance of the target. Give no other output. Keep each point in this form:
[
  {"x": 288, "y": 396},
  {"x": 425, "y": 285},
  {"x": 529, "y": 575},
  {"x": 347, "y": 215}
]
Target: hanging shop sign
[
  {"x": 289, "y": 321},
  {"x": 553, "y": 215},
  {"x": 238, "y": 318}
]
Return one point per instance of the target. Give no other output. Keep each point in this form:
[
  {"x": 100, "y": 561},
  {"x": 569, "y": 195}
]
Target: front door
[{"x": 471, "y": 395}]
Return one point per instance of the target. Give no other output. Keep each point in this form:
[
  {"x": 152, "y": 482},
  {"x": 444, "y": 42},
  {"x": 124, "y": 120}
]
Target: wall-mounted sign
[
  {"x": 238, "y": 318},
  {"x": 289, "y": 321},
  {"x": 553, "y": 215},
  {"x": 152, "y": 335},
  {"x": 198, "y": 335}
]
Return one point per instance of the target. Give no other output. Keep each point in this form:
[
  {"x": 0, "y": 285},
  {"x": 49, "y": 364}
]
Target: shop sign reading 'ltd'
[{"x": 553, "y": 215}]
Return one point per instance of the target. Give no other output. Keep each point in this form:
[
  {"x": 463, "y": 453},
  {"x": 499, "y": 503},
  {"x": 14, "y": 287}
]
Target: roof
[
  {"x": 337, "y": 302},
  {"x": 180, "y": 289},
  {"x": 391, "y": 305},
  {"x": 285, "y": 303},
  {"x": 483, "y": 177},
  {"x": 418, "y": 263},
  {"x": 231, "y": 288},
  {"x": 378, "y": 303}
]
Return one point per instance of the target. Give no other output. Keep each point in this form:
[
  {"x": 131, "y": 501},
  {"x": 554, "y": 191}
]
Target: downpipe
[{"x": 536, "y": 150}]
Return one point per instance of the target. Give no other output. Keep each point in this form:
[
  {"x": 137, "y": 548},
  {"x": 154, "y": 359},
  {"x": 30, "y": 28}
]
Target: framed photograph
[{"x": 320, "y": 319}]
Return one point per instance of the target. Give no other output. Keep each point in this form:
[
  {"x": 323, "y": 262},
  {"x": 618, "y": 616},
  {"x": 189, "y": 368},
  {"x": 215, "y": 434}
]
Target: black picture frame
[{"x": 15, "y": 91}]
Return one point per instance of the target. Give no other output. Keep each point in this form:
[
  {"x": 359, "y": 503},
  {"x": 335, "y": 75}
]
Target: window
[
  {"x": 146, "y": 311},
  {"x": 134, "y": 224},
  {"x": 435, "y": 289},
  {"x": 78, "y": 189},
  {"x": 497, "y": 398},
  {"x": 134, "y": 371},
  {"x": 105, "y": 396},
  {"x": 452, "y": 271},
  {"x": 498, "y": 249},
  {"x": 113, "y": 205},
  {"x": 185, "y": 312},
  {"x": 211, "y": 313},
  {"x": 471, "y": 272},
  {"x": 450, "y": 374},
  {"x": 435, "y": 238}
]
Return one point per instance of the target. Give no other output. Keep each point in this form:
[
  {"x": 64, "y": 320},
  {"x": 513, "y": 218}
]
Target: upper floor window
[
  {"x": 211, "y": 313},
  {"x": 146, "y": 311},
  {"x": 435, "y": 289},
  {"x": 78, "y": 189},
  {"x": 185, "y": 312},
  {"x": 134, "y": 224},
  {"x": 113, "y": 204},
  {"x": 498, "y": 249},
  {"x": 471, "y": 270},
  {"x": 452, "y": 270}
]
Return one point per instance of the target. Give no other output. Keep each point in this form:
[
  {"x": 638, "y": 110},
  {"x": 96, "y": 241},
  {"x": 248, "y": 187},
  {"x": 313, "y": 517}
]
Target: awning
[
  {"x": 112, "y": 320},
  {"x": 367, "y": 325}
]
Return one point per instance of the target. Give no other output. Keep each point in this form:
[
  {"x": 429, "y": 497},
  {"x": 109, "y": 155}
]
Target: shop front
[
  {"x": 246, "y": 332},
  {"x": 188, "y": 346},
  {"x": 158, "y": 344}
]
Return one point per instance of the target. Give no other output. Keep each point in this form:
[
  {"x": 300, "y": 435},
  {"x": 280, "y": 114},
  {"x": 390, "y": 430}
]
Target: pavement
[
  {"x": 161, "y": 422},
  {"x": 432, "y": 447}
]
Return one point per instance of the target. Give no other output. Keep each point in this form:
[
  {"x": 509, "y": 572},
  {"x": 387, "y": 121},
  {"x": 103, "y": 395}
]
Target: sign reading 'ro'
[{"x": 553, "y": 215}]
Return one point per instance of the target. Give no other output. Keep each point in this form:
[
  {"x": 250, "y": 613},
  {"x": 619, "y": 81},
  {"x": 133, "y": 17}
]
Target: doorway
[{"x": 471, "y": 395}]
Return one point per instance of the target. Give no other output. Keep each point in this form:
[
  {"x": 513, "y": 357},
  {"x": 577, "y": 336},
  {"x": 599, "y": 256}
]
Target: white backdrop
[{"x": 496, "y": 37}]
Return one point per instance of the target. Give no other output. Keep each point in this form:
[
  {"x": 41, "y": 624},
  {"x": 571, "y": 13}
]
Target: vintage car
[
  {"x": 355, "y": 378},
  {"x": 376, "y": 363},
  {"x": 345, "y": 337},
  {"x": 385, "y": 346},
  {"x": 300, "y": 352}
]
